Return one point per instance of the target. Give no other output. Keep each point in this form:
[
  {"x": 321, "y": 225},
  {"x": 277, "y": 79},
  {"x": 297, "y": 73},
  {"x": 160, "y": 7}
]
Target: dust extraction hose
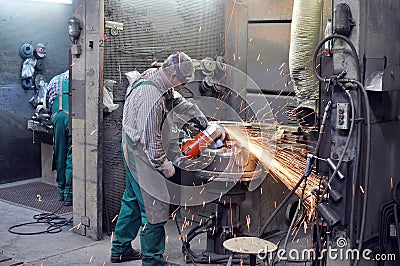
[{"x": 305, "y": 34}]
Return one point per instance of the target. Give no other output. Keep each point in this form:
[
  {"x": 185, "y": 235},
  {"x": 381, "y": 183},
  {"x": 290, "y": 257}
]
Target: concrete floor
[{"x": 68, "y": 248}]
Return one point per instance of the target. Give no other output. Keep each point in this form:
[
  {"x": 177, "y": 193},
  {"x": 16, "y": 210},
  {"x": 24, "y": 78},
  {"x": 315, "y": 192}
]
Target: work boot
[{"x": 135, "y": 255}]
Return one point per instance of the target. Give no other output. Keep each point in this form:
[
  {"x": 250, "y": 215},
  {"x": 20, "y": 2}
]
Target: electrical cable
[
  {"x": 299, "y": 207},
  {"x": 184, "y": 243},
  {"x": 54, "y": 221},
  {"x": 189, "y": 91},
  {"x": 367, "y": 162},
  {"x": 358, "y": 70},
  {"x": 367, "y": 106},
  {"x": 294, "y": 219},
  {"x": 203, "y": 258},
  {"x": 310, "y": 163},
  {"x": 355, "y": 175},
  {"x": 355, "y": 178},
  {"x": 395, "y": 199},
  {"x": 396, "y": 214},
  {"x": 344, "y": 149},
  {"x": 337, "y": 80},
  {"x": 368, "y": 156},
  {"x": 316, "y": 52}
]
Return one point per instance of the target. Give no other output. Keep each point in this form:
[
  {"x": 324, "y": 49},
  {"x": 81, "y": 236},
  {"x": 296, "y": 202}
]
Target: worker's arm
[
  {"x": 152, "y": 111},
  {"x": 183, "y": 106}
]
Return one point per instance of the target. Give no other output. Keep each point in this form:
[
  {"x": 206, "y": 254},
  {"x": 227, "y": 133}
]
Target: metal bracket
[
  {"x": 85, "y": 221},
  {"x": 114, "y": 25}
]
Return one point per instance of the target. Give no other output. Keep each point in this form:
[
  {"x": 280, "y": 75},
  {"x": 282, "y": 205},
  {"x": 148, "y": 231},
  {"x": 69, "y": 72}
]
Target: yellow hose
[{"x": 305, "y": 35}]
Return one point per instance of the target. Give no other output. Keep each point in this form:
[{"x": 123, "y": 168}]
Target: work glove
[
  {"x": 200, "y": 121},
  {"x": 167, "y": 169}
]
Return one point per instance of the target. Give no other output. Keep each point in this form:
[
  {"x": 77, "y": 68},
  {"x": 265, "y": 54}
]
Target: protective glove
[
  {"x": 167, "y": 169},
  {"x": 200, "y": 121}
]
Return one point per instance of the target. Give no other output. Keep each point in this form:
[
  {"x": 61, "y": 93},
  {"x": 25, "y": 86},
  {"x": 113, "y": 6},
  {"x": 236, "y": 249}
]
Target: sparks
[
  {"x": 248, "y": 221},
  {"x": 76, "y": 226},
  {"x": 285, "y": 161}
]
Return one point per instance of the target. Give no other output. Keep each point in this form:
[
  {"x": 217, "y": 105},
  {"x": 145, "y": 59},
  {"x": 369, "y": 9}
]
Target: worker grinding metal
[
  {"x": 57, "y": 103},
  {"x": 145, "y": 202}
]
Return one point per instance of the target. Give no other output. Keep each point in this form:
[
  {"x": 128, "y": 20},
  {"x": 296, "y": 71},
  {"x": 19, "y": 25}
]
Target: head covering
[{"x": 180, "y": 64}]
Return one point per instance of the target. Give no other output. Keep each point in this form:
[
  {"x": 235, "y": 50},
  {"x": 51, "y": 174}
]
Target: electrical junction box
[{"x": 342, "y": 116}]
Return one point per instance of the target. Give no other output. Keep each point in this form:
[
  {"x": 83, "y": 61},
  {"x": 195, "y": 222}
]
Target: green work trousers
[
  {"x": 131, "y": 217},
  {"x": 63, "y": 154}
]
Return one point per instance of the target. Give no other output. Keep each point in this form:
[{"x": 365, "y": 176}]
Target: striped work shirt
[
  {"x": 53, "y": 88},
  {"x": 143, "y": 115}
]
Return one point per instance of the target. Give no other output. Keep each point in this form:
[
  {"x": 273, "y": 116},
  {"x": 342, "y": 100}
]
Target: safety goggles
[{"x": 177, "y": 60}]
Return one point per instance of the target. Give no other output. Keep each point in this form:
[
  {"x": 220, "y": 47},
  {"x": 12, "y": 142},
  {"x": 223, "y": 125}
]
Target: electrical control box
[{"x": 342, "y": 116}]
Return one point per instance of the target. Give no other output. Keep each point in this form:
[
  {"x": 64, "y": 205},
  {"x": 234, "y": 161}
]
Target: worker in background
[
  {"x": 145, "y": 201},
  {"x": 57, "y": 103}
]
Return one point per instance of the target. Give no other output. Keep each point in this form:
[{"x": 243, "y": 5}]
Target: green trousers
[
  {"x": 63, "y": 154},
  {"x": 131, "y": 217}
]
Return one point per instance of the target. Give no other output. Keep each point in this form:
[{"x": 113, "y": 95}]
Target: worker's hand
[
  {"x": 200, "y": 121},
  {"x": 167, "y": 169}
]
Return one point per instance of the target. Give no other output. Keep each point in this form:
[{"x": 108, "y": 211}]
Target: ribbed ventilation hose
[{"x": 305, "y": 34}]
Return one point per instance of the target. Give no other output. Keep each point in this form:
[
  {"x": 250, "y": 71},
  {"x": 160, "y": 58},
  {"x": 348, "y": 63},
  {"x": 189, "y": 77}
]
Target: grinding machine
[{"x": 230, "y": 167}]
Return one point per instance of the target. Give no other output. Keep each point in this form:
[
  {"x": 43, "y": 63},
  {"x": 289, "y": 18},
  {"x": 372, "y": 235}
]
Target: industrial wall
[{"x": 26, "y": 22}]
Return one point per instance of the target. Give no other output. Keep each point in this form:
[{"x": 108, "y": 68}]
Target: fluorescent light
[{"x": 55, "y": 1}]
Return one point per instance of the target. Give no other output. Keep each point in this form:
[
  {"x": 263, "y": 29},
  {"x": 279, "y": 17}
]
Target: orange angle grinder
[{"x": 193, "y": 147}]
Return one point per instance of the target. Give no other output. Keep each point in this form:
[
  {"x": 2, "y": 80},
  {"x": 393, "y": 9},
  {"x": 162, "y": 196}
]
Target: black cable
[
  {"x": 184, "y": 243},
  {"x": 344, "y": 149},
  {"x": 190, "y": 92},
  {"x": 355, "y": 176},
  {"x": 367, "y": 106},
  {"x": 299, "y": 207},
  {"x": 367, "y": 162},
  {"x": 204, "y": 258},
  {"x": 290, "y": 228},
  {"x": 394, "y": 193},
  {"x": 278, "y": 244},
  {"x": 305, "y": 175},
  {"x": 368, "y": 156},
  {"x": 321, "y": 43},
  {"x": 54, "y": 221}
]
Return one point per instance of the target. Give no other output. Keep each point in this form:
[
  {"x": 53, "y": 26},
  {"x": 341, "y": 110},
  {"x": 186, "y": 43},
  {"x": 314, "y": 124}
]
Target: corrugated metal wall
[{"x": 152, "y": 31}]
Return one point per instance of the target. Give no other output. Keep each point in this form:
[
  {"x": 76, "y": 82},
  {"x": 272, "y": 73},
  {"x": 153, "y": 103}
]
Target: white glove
[{"x": 167, "y": 169}]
